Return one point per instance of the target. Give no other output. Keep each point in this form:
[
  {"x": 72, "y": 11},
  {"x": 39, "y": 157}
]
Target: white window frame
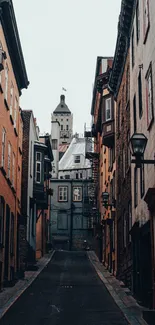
[
  {"x": 77, "y": 197},
  {"x": 62, "y": 193},
  {"x": 9, "y": 159},
  {"x": 11, "y": 98},
  {"x": 3, "y": 146},
  {"x": 77, "y": 160},
  {"x": 6, "y": 81},
  {"x": 38, "y": 172},
  {"x": 107, "y": 109},
  {"x": 38, "y": 163}
]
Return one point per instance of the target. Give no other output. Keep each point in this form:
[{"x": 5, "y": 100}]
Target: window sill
[
  {"x": 6, "y": 104},
  {"x": 15, "y": 131},
  {"x": 11, "y": 119}
]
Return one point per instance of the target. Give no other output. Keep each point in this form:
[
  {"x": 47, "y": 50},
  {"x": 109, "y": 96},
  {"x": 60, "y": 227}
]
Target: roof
[
  {"x": 63, "y": 147},
  {"x": 122, "y": 44},
  {"x": 77, "y": 147},
  {"x": 9, "y": 24},
  {"x": 62, "y": 107}
]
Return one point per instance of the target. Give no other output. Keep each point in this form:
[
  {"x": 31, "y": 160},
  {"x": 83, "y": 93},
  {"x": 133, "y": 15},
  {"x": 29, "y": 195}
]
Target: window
[
  {"x": 77, "y": 176},
  {"x": 133, "y": 49},
  {"x": 149, "y": 96},
  {"x": 140, "y": 95},
  {"x": 9, "y": 159},
  {"x": 77, "y": 194},
  {"x": 54, "y": 144},
  {"x": 142, "y": 181},
  {"x": 61, "y": 127},
  {"x": 38, "y": 167},
  {"x": 108, "y": 109},
  {"x": 12, "y": 235},
  {"x": 146, "y": 19},
  {"x": 15, "y": 113},
  {"x": 11, "y": 99},
  {"x": 6, "y": 81},
  {"x": 2, "y": 214},
  {"x": 63, "y": 194},
  {"x": 13, "y": 169},
  {"x": 136, "y": 186},
  {"x": 138, "y": 21},
  {"x": 77, "y": 159},
  {"x": 3, "y": 146},
  {"x": 81, "y": 176},
  {"x": 134, "y": 114},
  {"x": 62, "y": 120},
  {"x": 67, "y": 128},
  {"x": 125, "y": 229},
  {"x": 67, "y": 176},
  {"x": 77, "y": 222}
]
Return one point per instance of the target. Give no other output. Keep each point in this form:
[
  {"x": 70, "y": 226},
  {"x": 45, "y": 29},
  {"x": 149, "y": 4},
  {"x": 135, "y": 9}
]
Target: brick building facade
[{"x": 13, "y": 79}]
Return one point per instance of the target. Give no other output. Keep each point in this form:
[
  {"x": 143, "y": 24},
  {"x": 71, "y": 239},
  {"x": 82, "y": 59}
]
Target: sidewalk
[
  {"x": 9, "y": 295},
  {"x": 122, "y": 296}
]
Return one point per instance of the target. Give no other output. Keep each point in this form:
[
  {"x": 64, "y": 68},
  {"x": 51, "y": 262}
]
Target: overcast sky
[{"x": 61, "y": 40}]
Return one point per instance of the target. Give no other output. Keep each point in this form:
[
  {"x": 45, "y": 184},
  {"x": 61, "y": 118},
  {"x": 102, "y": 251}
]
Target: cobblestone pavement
[
  {"x": 67, "y": 292},
  {"x": 122, "y": 296}
]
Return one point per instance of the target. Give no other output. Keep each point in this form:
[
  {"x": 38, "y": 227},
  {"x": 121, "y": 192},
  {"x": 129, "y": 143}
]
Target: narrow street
[{"x": 67, "y": 292}]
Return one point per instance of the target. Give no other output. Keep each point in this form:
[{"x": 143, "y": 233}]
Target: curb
[
  {"x": 128, "y": 315},
  {"x": 15, "y": 297}
]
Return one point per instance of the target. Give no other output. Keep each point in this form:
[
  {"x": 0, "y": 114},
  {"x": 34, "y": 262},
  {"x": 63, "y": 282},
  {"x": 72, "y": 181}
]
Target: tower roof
[{"x": 62, "y": 107}]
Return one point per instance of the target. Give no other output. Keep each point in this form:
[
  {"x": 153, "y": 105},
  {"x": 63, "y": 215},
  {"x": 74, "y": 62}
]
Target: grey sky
[{"x": 61, "y": 40}]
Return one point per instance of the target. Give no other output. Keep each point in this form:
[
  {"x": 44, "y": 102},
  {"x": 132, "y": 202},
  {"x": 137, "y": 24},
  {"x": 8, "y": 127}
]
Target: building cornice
[
  {"x": 9, "y": 25},
  {"x": 122, "y": 44}
]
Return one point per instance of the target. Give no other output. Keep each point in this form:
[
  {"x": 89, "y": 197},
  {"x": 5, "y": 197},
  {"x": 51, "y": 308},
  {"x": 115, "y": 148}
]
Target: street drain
[{"x": 67, "y": 287}]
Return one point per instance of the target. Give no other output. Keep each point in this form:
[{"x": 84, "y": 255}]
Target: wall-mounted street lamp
[
  {"x": 138, "y": 143},
  {"x": 105, "y": 200}
]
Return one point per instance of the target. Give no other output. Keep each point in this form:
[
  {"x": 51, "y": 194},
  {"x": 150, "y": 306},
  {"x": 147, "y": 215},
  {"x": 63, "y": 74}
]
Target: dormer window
[
  {"x": 77, "y": 159},
  {"x": 108, "y": 109}
]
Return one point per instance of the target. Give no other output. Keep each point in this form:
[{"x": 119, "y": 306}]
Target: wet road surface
[{"x": 67, "y": 292}]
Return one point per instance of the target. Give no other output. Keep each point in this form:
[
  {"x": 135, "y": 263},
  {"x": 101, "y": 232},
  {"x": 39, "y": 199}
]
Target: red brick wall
[{"x": 13, "y": 200}]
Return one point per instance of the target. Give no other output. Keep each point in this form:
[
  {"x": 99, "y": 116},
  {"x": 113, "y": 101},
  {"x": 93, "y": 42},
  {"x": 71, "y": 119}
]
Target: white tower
[{"x": 64, "y": 117}]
